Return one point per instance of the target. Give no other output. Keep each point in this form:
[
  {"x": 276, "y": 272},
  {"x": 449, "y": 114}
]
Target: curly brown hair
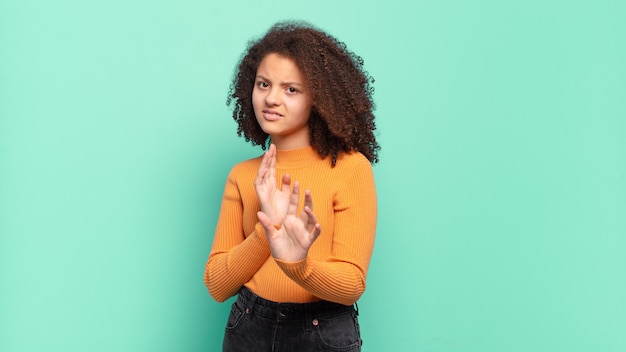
[{"x": 342, "y": 118}]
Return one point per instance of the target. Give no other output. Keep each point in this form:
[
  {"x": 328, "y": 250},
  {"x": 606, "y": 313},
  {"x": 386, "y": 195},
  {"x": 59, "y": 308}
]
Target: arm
[
  {"x": 341, "y": 277},
  {"x": 234, "y": 257}
]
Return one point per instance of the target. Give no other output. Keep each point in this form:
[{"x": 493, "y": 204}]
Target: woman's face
[{"x": 281, "y": 101}]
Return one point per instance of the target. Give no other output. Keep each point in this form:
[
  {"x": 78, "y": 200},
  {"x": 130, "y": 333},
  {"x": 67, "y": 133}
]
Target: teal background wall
[{"x": 502, "y": 185}]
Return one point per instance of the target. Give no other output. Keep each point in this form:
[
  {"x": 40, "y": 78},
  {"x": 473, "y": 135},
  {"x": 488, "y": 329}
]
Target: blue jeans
[{"x": 256, "y": 324}]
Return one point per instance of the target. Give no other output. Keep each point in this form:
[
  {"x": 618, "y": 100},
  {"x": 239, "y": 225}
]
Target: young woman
[{"x": 297, "y": 260}]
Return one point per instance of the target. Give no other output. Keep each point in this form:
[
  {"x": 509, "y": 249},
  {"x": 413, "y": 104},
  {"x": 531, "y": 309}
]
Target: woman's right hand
[{"x": 274, "y": 202}]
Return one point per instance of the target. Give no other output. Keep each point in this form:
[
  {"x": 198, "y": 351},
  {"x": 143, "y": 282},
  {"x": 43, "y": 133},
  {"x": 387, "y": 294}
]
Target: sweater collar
[{"x": 296, "y": 157}]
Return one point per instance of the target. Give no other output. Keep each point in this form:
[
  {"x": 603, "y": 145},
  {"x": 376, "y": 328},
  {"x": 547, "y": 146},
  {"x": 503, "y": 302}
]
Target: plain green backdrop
[{"x": 502, "y": 181}]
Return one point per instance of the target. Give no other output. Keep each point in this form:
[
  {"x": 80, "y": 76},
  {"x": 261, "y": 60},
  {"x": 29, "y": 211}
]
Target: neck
[{"x": 292, "y": 141}]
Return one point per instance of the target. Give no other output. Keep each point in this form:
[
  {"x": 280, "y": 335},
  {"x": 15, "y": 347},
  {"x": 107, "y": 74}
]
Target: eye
[
  {"x": 292, "y": 90},
  {"x": 262, "y": 84}
]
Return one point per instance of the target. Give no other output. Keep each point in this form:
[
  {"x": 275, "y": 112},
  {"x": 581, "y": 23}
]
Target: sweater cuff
[
  {"x": 257, "y": 245},
  {"x": 297, "y": 271},
  {"x": 259, "y": 231}
]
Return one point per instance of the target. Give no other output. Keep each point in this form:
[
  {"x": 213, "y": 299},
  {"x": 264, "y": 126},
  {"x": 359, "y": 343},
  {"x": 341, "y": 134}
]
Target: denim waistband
[{"x": 289, "y": 311}]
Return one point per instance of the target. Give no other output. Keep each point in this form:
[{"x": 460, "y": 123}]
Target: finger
[
  {"x": 294, "y": 199},
  {"x": 286, "y": 183},
  {"x": 272, "y": 161},
  {"x": 317, "y": 230},
  {"x": 308, "y": 199},
  {"x": 295, "y": 193},
  {"x": 262, "y": 168},
  {"x": 308, "y": 203},
  {"x": 267, "y": 223},
  {"x": 312, "y": 219}
]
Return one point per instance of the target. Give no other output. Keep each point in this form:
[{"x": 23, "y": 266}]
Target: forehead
[{"x": 279, "y": 68}]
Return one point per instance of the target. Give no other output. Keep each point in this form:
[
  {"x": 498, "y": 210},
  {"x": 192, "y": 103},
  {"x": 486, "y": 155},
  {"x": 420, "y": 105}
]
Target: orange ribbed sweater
[{"x": 344, "y": 201}]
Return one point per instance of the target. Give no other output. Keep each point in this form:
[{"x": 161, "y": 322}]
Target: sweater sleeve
[
  {"x": 235, "y": 257},
  {"x": 341, "y": 277}
]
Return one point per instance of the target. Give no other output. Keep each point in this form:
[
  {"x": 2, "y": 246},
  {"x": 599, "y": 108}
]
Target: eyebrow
[{"x": 283, "y": 83}]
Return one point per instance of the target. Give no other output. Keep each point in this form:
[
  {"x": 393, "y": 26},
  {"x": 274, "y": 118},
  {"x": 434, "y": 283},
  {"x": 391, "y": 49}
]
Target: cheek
[
  {"x": 255, "y": 98},
  {"x": 258, "y": 98},
  {"x": 257, "y": 105},
  {"x": 305, "y": 108}
]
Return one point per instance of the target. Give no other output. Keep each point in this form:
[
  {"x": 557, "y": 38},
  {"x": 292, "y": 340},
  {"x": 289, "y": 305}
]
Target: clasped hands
[{"x": 289, "y": 235}]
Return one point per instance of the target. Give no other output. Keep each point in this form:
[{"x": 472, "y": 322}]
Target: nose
[{"x": 273, "y": 97}]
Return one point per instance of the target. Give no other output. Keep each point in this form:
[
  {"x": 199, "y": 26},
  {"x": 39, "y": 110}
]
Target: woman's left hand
[{"x": 291, "y": 241}]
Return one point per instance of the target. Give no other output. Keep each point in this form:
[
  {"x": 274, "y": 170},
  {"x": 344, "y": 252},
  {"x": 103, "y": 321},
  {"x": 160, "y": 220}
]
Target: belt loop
[{"x": 308, "y": 317}]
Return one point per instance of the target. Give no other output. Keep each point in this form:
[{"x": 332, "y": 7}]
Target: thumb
[{"x": 270, "y": 228}]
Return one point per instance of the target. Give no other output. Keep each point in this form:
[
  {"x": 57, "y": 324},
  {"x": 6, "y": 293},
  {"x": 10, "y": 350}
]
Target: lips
[{"x": 271, "y": 115}]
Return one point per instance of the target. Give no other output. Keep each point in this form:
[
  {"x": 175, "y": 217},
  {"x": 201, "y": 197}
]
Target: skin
[
  {"x": 282, "y": 106},
  {"x": 282, "y": 103}
]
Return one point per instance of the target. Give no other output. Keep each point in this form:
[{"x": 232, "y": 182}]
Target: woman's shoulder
[
  {"x": 352, "y": 160},
  {"x": 246, "y": 167}
]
